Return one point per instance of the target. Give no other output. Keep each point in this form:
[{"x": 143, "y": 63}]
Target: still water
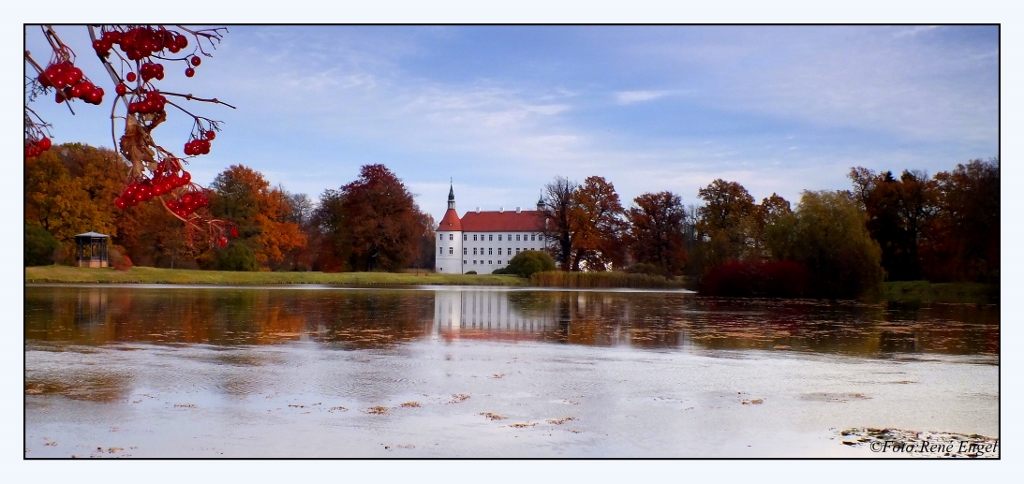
[{"x": 314, "y": 371}]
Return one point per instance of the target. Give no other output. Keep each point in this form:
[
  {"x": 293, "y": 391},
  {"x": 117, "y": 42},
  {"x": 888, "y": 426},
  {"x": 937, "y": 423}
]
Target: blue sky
[{"x": 505, "y": 109}]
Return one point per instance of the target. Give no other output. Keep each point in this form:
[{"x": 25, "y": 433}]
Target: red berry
[
  {"x": 44, "y": 143},
  {"x": 120, "y": 89},
  {"x": 130, "y": 77},
  {"x": 196, "y": 60},
  {"x": 190, "y": 72},
  {"x": 223, "y": 242},
  {"x": 120, "y": 203},
  {"x": 186, "y": 176},
  {"x": 234, "y": 231},
  {"x": 210, "y": 135}
]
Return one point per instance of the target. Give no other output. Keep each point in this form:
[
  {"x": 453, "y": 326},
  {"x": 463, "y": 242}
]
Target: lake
[{"x": 316, "y": 371}]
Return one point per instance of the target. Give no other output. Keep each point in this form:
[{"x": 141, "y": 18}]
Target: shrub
[
  {"x": 755, "y": 278},
  {"x": 237, "y": 257},
  {"x": 648, "y": 269},
  {"x": 470, "y": 272},
  {"x": 526, "y": 263},
  {"x": 119, "y": 261},
  {"x": 40, "y": 246}
]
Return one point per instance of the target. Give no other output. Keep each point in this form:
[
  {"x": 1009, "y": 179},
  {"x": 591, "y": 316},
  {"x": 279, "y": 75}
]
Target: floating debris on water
[
  {"x": 492, "y": 416},
  {"x": 756, "y": 401},
  {"x": 522, "y": 425},
  {"x": 459, "y": 398},
  {"x": 410, "y": 404},
  {"x": 922, "y": 444},
  {"x": 378, "y": 410}
]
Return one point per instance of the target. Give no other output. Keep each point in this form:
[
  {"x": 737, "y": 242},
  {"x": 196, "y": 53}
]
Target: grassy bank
[
  {"x": 150, "y": 275},
  {"x": 603, "y": 280},
  {"x": 950, "y": 292}
]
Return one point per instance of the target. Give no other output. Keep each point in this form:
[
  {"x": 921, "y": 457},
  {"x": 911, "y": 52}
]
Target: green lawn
[
  {"x": 949, "y": 292},
  {"x": 150, "y": 275}
]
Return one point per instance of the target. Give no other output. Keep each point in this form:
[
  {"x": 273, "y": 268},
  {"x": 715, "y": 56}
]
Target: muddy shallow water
[{"x": 146, "y": 371}]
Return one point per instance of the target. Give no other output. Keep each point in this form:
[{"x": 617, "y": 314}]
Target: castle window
[
  {"x": 451, "y": 236},
  {"x": 474, "y": 250},
  {"x": 440, "y": 236},
  {"x": 499, "y": 262},
  {"x": 517, "y": 250},
  {"x": 465, "y": 237},
  {"x": 451, "y": 250},
  {"x": 440, "y": 250},
  {"x": 465, "y": 251},
  {"x": 533, "y": 237},
  {"x": 499, "y": 237},
  {"x": 490, "y": 238},
  {"x": 463, "y": 261},
  {"x": 489, "y": 262},
  {"x": 509, "y": 251},
  {"x": 510, "y": 237},
  {"x": 490, "y": 251},
  {"x": 474, "y": 237},
  {"x": 499, "y": 253},
  {"x": 517, "y": 237}
]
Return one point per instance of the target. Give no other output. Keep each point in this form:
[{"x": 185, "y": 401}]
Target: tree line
[
  {"x": 840, "y": 243},
  {"x": 371, "y": 223},
  {"x": 831, "y": 244}
]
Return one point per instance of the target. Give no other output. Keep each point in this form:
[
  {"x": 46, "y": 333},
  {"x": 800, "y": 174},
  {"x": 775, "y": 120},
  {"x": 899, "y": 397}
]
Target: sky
[{"x": 503, "y": 110}]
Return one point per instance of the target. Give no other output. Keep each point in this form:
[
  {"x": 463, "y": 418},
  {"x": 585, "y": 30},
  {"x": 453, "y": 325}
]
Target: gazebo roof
[{"x": 91, "y": 235}]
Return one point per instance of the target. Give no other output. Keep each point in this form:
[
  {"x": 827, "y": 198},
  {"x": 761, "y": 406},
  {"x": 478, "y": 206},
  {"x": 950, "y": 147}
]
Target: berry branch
[{"x": 139, "y": 53}]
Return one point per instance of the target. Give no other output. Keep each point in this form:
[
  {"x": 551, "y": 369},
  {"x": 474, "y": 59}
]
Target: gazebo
[{"x": 92, "y": 249}]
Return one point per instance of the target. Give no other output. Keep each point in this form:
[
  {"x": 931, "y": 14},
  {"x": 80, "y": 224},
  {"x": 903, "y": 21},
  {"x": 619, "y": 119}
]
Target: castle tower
[{"x": 449, "y": 239}]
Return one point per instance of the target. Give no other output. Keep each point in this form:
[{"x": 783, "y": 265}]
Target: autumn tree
[
  {"x": 656, "y": 231},
  {"x": 963, "y": 243},
  {"x": 259, "y": 213},
  {"x": 726, "y": 220},
  {"x": 68, "y": 191},
  {"x": 828, "y": 235},
  {"x": 559, "y": 228},
  {"x": 898, "y": 212},
  {"x": 370, "y": 224},
  {"x": 595, "y": 216}
]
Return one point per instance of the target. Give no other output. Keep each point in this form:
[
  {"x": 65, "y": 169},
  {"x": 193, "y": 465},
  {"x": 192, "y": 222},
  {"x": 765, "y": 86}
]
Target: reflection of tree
[{"x": 381, "y": 318}]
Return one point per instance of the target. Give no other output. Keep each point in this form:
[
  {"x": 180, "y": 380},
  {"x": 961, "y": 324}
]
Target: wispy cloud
[
  {"x": 631, "y": 97},
  {"x": 915, "y": 30}
]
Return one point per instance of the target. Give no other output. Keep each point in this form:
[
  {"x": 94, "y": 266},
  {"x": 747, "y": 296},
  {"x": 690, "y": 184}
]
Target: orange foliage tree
[{"x": 260, "y": 213}]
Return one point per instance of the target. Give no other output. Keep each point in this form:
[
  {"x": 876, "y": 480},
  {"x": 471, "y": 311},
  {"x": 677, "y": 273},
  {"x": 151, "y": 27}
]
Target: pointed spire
[
  {"x": 540, "y": 201},
  {"x": 451, "y": 195}
]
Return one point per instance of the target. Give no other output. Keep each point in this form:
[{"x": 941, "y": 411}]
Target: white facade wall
[
  {"x": 449, "y": 252},
  {"x": 484, "y": 310},
  {"x": 484, "y": 252}
]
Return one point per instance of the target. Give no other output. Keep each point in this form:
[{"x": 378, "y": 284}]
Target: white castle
[{"x": 485, "y": 241}]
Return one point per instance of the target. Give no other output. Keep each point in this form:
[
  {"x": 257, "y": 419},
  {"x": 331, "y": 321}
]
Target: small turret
[{"x": 540, "y": 202}]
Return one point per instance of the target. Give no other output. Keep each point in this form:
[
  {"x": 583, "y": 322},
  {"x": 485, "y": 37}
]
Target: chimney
[
  {"x": 477, "y": 209},
  {"x": 519, "y": 209},
  {"x": 501, "y": 210}
]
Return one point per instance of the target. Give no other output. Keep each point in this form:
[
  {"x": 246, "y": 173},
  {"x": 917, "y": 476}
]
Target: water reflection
[{"x": 353, "y": 319}]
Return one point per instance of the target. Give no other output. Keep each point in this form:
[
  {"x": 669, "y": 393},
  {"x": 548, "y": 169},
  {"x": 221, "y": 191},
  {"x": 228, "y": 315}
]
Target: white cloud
[{"x": 630, "y": 97}]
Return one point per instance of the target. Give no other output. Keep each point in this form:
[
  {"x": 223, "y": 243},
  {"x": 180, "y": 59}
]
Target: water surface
[{"x": 172, "y": 371}]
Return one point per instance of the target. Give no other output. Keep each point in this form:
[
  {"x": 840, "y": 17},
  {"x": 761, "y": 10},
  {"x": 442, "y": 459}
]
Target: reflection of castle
[{"x": 488, "y": 311}]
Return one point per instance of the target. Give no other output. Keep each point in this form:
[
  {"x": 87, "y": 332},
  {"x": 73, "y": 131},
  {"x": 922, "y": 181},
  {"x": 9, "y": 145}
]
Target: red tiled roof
[
  {"x": 450, "y": 221},
  {"x": 508, "y": 221}
]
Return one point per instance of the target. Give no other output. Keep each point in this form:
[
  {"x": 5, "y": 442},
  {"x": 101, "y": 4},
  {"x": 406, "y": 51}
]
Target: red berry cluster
[
  {"x": 200, "y": 146},
  {"x": 70, "y": 83},
  {"x": 188, "y": 203},
  {"x": 140, "y": 42},
  {"x": 151, "y": 70},
  {"x": 36, "y": 147},
  {"x": 165, "y": 179},
  {"x": 149, "y": 102}
]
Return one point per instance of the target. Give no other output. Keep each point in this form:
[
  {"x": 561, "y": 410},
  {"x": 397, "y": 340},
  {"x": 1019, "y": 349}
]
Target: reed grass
[
  {"x": 598, "y": 280},
  {"x": 151, "y": 275}
]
